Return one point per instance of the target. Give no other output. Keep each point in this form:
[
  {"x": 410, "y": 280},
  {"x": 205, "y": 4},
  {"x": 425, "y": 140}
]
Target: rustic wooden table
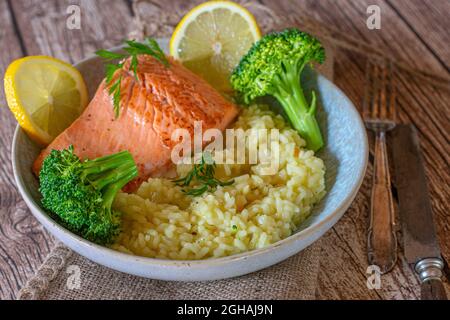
[{"x": 415, "y": 33}]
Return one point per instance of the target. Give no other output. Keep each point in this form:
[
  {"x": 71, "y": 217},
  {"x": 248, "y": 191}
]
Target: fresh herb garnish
[
  {"x": 132, "y": 49},
  {"x": 203, "y": 173}
]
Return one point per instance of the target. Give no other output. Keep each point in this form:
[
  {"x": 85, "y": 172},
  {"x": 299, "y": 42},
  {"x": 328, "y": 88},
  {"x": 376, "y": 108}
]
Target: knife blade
[
  {"x": 419, "y": 233},
  {"x": 420, "y": 242}
]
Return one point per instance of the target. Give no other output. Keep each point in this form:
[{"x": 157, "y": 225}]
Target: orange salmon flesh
[{"x": 151, "y": 108}]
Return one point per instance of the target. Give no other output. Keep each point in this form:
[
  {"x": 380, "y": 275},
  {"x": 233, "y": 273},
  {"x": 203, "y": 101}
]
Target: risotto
[{"x": 161, "y": 221}]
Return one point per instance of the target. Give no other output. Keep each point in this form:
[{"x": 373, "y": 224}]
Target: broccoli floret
[
  {"x": 80, "y": 193},
  {"x": 272, "y": 67}
]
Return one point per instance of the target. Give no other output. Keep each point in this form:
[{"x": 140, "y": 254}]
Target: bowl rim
[{"x": 42, "y": 215}]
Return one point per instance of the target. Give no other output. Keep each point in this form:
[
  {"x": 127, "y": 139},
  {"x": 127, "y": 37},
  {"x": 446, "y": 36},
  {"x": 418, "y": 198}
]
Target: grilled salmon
[{"x": 160, "y": 100}]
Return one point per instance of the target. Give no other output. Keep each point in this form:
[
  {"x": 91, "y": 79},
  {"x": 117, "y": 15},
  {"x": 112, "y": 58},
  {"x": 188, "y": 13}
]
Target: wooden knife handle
[
  {"x": 432, "y": 289},
  {"x": 430, "y": 274},
  {"x": 382, "y": 241}
]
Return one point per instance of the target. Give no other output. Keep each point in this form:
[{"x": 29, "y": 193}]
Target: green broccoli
[
  {"x": 81, "y": 193},
  {"x": 272, "y": 67}
]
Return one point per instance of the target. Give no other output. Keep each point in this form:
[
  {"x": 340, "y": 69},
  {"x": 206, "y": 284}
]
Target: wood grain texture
[
  {"x": 23, "y": 242},
  {"x": 415, "y": 32},
  {"x": 433, "y": 33},
  {"x": 43, "y": 26},
  {"x": 349, "y": 17}
]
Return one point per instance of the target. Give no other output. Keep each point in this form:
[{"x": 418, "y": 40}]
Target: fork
[{"x": 380, "y": 116}]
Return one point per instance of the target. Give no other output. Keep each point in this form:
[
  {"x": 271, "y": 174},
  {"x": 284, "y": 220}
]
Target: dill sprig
[
  {"x": 202, "y": 173},
  {"x": 132, "y": 49}
]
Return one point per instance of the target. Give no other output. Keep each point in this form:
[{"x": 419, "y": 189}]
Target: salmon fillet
[{"x": 164, "y": 99}]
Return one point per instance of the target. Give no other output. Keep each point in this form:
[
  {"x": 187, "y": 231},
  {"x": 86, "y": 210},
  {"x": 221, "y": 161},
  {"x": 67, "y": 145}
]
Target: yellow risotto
[{"x": 161, "y": 221}]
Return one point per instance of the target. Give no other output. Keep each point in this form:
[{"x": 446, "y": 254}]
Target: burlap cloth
[{"x": 295, "y": 278}]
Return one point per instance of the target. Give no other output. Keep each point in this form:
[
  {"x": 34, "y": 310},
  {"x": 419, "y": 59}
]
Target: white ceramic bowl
[{"x": 345, "y": 156}]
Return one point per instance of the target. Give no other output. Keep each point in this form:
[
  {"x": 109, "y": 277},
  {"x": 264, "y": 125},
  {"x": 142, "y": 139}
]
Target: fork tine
[
  {"x": 383, "y": 112},
  {"x": 393, "y": 91},
  {"x": 376, "y": 94},
  {"x": 368, "y": 90},
  {"x": 380, "y": 92}
]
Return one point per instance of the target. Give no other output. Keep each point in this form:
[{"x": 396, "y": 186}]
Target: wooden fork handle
[{"x": 382, "y": 242}]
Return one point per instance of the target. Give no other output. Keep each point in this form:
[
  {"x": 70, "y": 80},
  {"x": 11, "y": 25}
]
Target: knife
[{"x": 419, "y": 234}]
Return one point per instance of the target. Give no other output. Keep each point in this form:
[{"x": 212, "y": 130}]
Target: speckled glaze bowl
[{"x": 345, "y": 156}]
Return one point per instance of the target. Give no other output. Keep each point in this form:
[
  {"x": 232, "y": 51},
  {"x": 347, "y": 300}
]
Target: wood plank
[
  {"x": 349, "y": 18},
  {"x": 23, "y": 241},
  {"x": 429, "y": 21},
  {"x": 103, "y": 24}
]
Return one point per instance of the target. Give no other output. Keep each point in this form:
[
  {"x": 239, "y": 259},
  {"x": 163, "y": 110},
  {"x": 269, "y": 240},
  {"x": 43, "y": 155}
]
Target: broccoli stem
[
  {"x": 105, "y": 163},
  {"x": 302, "y": 116},
  {"x": 109, "y": 174},
  {"x": 111, "y": 191},
  {"x": 114, "y": 175}
]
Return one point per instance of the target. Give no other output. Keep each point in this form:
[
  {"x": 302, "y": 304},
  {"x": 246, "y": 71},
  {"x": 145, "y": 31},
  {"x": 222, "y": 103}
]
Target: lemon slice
[
  {"x": 211, "y": 39},
  {"x": 45, "y": 95}
]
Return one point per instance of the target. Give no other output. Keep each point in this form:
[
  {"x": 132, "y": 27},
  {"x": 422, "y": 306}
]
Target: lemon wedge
[
  {"x": 45, "y": 95},
  {"x": 211, "y": 39}
]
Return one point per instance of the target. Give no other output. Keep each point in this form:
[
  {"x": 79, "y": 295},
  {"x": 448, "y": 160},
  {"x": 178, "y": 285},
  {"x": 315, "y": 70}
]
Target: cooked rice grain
[{"x": 160, "y": 221}]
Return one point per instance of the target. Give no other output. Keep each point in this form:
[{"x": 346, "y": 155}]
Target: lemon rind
[
  {"x": 13, "y": 97},
  {"x": 210, "y": 5}
]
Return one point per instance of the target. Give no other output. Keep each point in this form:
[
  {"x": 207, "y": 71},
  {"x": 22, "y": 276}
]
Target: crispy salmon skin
[{"x": 161, "y": 100}]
